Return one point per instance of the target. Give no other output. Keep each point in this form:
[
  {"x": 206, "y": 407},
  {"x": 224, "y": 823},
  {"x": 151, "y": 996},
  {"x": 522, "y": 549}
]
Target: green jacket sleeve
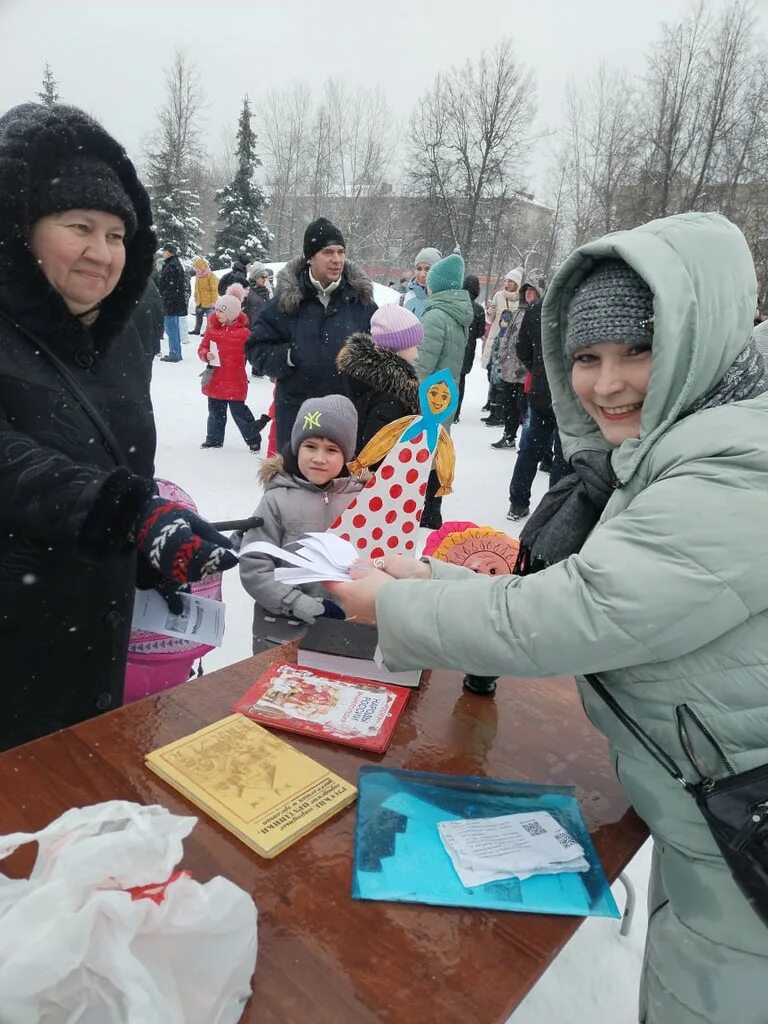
[
  {"x": 648, "y": 586},
  {"x": 431, "y": 348}
]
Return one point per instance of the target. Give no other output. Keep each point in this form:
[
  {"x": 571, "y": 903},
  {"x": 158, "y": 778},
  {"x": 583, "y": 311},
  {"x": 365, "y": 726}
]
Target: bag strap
[
  {"x": 80, "y": 395},
  {"x": 654, "y": 749}
]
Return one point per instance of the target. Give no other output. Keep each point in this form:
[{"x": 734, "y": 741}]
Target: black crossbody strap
[
  {"x": 82, "y": 398},
  {"x": 657, "y": 753}
]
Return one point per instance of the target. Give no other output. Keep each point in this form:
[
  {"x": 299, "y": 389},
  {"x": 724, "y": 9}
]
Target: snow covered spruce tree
[
  {"x": 242, "y": 234},
  {"x": 172, "y": 158},
  {"x": 49, "y": 93},
  {"x": 174, "y": 208}
]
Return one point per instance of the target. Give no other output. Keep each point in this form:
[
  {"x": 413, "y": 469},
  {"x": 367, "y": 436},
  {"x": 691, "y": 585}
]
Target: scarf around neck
[{"x": 570, "y": 510}]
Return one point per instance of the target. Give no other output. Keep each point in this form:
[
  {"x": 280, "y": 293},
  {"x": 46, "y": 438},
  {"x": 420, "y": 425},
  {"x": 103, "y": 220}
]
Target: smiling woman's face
[
  {"x": 611, "y": 381},
  {"x": 81, "y": 253}
]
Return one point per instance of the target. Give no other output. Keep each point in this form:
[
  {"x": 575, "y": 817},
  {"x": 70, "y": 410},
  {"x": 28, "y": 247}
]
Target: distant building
[{"x": 384, "y": 231}]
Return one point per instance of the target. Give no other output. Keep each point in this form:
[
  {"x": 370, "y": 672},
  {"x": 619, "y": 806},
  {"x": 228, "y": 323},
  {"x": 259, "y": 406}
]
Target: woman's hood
[
  {"x": 34, "y": 141},
  {"x": 700, "y": 270}
]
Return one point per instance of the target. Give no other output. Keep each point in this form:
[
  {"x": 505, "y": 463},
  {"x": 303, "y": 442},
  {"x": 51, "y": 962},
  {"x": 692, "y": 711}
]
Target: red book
[{"x": 326, "y": 705}]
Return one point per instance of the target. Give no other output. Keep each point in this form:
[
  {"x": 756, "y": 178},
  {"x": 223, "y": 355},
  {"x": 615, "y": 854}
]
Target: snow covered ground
[{"x": 596, "y": 975}]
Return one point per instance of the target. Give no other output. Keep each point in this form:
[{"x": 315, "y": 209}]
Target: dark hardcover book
[{"x": 337, "y": 645}]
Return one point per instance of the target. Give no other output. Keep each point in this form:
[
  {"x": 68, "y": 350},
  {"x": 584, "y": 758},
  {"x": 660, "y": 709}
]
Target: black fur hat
[{"x": 82, "y": 183}]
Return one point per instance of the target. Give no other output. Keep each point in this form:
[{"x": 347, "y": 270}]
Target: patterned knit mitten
[{"x": 179, "y": 545}]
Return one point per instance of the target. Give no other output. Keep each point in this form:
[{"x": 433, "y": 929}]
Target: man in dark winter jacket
[
  {"x": 476, "y": 332},
  {"x": 235, "y": 275},
  {"x": 541, "y": 429},
  {"x": 149, "y": 318},
  {"x": 174, "y": 288},
  {"x": 320, "y": 299},
  {"x": 79, "y": 515}
]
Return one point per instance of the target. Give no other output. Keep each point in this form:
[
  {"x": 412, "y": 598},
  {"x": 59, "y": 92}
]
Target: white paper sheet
[
  {"x": 213, "y": 350},
  {"x": 484, "y": 850},
  {"x": 201, "y": 620},
  {"x": 322, "y": 557}
]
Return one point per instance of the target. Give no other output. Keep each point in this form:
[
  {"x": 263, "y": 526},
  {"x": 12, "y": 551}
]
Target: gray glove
[{"x": 306, "y": 608}]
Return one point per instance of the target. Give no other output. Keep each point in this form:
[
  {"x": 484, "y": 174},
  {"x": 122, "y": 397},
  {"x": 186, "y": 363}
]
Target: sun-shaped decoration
[{"x": 479, "y": 548}]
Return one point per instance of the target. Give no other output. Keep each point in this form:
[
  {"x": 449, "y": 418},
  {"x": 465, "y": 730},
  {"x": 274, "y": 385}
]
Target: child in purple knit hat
[{"x": 378, "y": 368}]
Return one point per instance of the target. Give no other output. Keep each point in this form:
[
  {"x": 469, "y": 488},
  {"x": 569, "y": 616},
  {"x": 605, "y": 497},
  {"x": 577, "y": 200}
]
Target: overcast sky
[{"x": 108, "y": 56}]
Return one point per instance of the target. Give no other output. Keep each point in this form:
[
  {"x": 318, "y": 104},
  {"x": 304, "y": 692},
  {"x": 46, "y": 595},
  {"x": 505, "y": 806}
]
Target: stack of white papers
[
  {"x": 322, "y": 557},
  {"x": 486, "y": 850}
]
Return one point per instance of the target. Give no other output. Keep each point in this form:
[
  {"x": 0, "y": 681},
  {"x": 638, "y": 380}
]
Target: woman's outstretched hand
[
  {"x": 399, "y": 567},
  {"x": 358, "y": 598}
]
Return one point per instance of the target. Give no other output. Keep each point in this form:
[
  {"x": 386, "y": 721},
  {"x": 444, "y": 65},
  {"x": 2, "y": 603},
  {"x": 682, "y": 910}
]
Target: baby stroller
[{"x": 157, "y": 662}]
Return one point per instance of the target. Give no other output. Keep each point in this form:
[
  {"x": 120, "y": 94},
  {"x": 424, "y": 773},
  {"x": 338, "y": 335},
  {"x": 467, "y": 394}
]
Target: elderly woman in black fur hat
[{"x": 80, "y": 521}]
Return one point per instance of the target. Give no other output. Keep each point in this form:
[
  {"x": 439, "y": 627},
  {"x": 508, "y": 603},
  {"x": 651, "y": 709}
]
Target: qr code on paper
[
  {"x": 564, "y": 839},
  {"x": 533, "y": 828}
]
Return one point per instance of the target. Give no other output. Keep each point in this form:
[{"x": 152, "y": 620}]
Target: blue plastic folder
[{"x": 399, "y": 855}]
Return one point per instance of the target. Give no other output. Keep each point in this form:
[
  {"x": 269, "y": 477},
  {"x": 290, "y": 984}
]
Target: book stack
[{"x": 338, "y": 645}]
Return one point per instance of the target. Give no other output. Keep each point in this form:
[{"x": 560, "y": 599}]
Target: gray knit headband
[{"x": 613, "y": 303}]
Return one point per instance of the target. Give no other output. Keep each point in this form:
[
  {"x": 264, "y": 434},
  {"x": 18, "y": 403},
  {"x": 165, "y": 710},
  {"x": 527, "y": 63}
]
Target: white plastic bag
[{"x": 77, "y": 948}]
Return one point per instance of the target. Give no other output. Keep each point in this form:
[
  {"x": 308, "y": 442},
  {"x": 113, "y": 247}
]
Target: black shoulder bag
[{"x": 734, "y": 807}]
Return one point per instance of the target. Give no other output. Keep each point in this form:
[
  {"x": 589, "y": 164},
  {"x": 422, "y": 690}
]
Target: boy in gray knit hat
[
  {"x": 333, "y": 417},
  {"x": 306, "y": 489}
]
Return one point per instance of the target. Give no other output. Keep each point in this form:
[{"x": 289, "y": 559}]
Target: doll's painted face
[
  {"x": 438, "y": 398},
  {"x": 490, "y": 563}
]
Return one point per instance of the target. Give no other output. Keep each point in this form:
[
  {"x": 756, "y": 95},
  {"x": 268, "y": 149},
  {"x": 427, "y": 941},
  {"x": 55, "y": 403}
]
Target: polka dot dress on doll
[{"x": 384, "y": 517}]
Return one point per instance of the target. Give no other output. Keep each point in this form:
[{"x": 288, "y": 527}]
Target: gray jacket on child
[{"x": 291, "y": 508}]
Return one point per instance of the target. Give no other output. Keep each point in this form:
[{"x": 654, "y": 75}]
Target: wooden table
[{"x": 323, "y": 957}]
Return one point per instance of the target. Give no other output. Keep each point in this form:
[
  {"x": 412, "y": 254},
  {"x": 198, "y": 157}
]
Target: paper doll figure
[
  {"x": 479, "y": 548},
  {"x": 383, "y": 518}
]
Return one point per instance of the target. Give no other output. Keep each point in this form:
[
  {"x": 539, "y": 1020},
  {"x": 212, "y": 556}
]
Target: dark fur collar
[
  {"x": 34, "y": 140},
  {"x": 379, "y": 369},
  {"x": 293, "y": 284}
]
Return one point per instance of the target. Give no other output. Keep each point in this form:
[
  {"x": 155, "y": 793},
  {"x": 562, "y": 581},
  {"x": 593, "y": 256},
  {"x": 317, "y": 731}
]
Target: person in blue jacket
[
  {"x": 320, "y": 299},
  {"x": 416, "y": 293}
]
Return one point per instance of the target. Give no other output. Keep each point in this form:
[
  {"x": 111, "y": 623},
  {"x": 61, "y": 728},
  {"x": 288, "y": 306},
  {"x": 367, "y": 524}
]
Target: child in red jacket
[{"x": 223, "y": 349}]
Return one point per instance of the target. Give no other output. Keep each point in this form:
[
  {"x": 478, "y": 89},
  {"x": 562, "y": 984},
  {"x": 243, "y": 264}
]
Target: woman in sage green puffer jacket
[{"x": 666, "y": 598}]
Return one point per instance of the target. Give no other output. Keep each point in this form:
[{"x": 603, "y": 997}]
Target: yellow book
[{"x": 254, "y": 784}]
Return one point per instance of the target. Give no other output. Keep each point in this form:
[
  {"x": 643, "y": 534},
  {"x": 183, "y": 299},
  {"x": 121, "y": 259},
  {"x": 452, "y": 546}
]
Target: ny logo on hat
[{"x": 312, "y": 419}]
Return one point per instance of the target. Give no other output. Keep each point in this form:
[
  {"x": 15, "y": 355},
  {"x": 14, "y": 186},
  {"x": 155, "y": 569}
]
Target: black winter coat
[
  {"x": 382, "y": 385},
  {"x": 67, "y": 569},
  {"x": 295, "y": 321},
  {"x": 529, "y": 352},
  {"x": 174, "y": 287},
  {"x": 256, "y": 299},
  {"x": 476, "y": 332},
  {"x": 234, "y": 276}
]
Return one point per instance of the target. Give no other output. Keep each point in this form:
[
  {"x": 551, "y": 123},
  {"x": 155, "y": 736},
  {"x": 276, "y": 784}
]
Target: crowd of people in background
[{"x": 315, "y": 331}]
